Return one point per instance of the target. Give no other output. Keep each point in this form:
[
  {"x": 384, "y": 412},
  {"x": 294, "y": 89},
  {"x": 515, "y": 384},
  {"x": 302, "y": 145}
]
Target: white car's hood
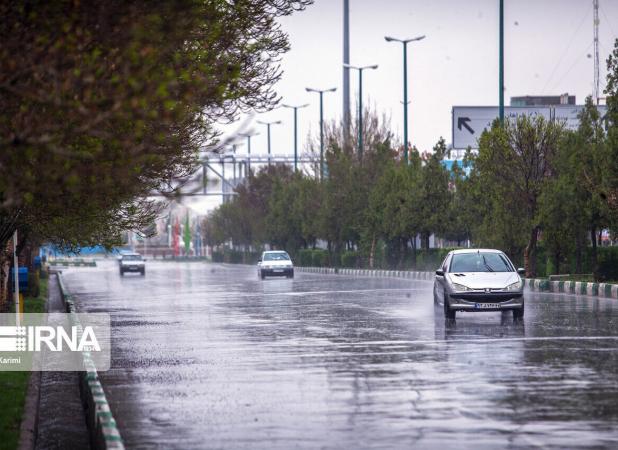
[
  {"x": 483, "y": 280},
  {"x": 278, "y": 263}
]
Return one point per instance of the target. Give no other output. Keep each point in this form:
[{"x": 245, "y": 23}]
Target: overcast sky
[{"x": 548, "y": 51}]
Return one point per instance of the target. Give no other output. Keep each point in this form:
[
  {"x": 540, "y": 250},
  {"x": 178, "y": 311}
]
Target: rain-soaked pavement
[{"x": 208, "y": 356}]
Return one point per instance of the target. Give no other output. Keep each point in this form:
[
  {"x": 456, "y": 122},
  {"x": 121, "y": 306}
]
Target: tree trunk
[
  {"x": 425, "y": 241},
  {"x": 402, "y": 253},
  {"x": 530, "y": 254},
  {"x": 372, "y": 252},
  {"x": 556, "y": 263},
  {"x": 594, "y": 263},
  {"x": 578, "y": 254},
  {"x": 414, "y": 252}
]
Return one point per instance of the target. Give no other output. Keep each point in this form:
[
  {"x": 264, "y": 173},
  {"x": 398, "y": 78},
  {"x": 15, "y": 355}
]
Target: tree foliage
[
  {"x": 106, "y": 102},
  {"x": 532, "y": 184}
]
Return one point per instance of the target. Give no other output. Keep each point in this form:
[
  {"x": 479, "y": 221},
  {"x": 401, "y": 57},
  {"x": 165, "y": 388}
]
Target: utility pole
[
  {"x": 596, "y": 94},
  {"x": 405, "y": 43},
  {"x": 321, "y": 92},
  {"x": 268, "y": 124},
  {"x": 501, "y": 63},
  {"x": 248, "y": 136},
  {"x": 360, "y": 105},
  {"x": 16, "y": 280},
  {"x": 296, "y": 108},
  {"x": 346, "y": 71}
]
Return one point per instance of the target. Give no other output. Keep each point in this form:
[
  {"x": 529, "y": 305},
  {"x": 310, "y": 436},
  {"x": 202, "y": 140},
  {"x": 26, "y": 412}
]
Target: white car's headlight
[
  {"x": 460, "y": 287},
  {"x": 514, "y": 286}
]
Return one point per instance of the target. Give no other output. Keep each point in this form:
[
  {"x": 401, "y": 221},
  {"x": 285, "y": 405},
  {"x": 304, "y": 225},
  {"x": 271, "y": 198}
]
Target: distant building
[{"x": 543, "y": 100}]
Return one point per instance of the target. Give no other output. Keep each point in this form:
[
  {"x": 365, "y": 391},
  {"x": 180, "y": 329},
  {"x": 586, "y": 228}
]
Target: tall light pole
[
  {"x": 268, "y": 124},
  {"x": 321, "y": 92},
  {"x": 405, "y": 43},
  {"x": 296, "y": 108},
  {"x": 346, "y": 71},
  {"x": 501, "y": 64},
  {"x": 360, "y": 104},
  {"x": 248, "y": 136}
]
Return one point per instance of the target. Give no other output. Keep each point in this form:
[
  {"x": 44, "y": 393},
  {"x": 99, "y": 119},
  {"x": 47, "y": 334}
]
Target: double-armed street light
[
  {"x": 405, "y": 43},
  {"x": 321, "y": 92},
  {"x": 268, "y": 124},
  {"x": 360, "y": 104},
  {"x": 296, "y": 108},
  {"x": 249, "y": 136}
]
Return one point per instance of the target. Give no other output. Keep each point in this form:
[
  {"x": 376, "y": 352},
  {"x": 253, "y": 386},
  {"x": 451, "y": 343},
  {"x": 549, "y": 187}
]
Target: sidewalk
[{"x": 62, "y": 423}]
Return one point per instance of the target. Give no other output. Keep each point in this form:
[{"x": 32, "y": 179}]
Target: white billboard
[{"x": 469, "y": 122}]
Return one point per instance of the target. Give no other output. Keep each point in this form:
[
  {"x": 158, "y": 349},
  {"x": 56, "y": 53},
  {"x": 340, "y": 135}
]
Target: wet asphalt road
[{"x": 208, "y": 356}]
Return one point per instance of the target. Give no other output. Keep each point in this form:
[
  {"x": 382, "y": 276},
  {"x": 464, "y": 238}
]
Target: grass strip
[{"x": 13, "y": 385}]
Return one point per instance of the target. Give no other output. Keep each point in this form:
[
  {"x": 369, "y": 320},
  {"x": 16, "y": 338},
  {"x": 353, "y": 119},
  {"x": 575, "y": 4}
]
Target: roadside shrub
[
  {"x": 608, "y": 263},
  {"x": 350, "y": 259},
  {"x": 430, "y": 259},
  {"x": 233, "y": 257},
  {"x": 305, "y": 257},
  {"x": 251, "y": 257},
  {"x": 320, "y": 258},
  {"x": 33, "y": 283},
  {"x": 217, "y": 257}
]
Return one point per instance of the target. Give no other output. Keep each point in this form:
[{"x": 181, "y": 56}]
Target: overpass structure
[{"x": 230, "y": 169}]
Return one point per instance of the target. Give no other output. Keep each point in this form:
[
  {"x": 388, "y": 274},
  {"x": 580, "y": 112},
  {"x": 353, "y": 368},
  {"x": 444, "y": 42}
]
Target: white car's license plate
[
  {"x": 278, "y": 270},
  {"x": 486, "y": 305}
]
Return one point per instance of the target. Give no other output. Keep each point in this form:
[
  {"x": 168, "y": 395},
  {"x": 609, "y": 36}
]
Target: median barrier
[
  {"x": 607, "y": 290},
  {"x": 104, "y": 433}
]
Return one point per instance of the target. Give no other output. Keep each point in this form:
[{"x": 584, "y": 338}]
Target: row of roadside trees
[
  {"x": 105, "y": 103},
  {"x": 533, "y": 188}
]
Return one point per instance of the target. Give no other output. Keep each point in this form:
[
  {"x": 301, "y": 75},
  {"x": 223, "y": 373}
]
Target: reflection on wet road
[{"x": 208, "y": 356}]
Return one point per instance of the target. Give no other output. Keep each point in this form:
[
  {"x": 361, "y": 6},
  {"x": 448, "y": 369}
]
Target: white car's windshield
[
  {"x": 132, "y": 258},
  {"x": 480, "y": 262},
  {"x": 279, "y": 256}
]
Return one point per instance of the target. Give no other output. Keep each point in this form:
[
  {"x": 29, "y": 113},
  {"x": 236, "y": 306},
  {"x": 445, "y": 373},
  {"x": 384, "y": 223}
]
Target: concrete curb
[
  {"x": 606, "y": 290},
  {"x": 104, "y": 432},
  {"x": 422, "y": 276}
]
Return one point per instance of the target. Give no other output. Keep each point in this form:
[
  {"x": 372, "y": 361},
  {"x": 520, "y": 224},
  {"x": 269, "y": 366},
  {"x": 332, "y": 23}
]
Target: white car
[
  {"x": 131, "y": 262},
  {"x": 478, "y": 280},
  {"x": 275, "y": 263}
]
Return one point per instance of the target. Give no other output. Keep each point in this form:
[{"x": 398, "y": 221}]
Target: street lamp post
[
  {"x": 268, "y": 124},
  {"x": 360, "y": 104},
  {"x": 248, "y": 136},
  {"x": 405, "y": 88},
  {"x": 321, "y": 92},
  {"x": 296, "y": 108},
  {"x": 501, "y": 64}
]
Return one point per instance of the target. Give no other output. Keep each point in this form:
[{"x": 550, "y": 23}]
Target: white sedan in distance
[{"x": 275, "y": 263}]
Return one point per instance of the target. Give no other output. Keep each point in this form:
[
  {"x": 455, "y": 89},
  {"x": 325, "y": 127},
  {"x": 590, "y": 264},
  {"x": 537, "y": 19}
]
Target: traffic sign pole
[{"x": 16, "y": 279}]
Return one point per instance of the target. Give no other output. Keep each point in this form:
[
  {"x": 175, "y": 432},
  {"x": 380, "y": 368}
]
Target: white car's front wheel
[
  {"x": 518, "y": 314},
  {"x": 448, "y": 312}
]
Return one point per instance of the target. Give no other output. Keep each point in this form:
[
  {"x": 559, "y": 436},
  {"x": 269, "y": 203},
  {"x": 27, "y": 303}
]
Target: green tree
[
  {"x": 607, "y": 185},
  {"x": 104, "y": 102},
  {"x": 514, "y": 163},
  {"x": 435, "y": 196},
  {"x": 572, "y": 207}
]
